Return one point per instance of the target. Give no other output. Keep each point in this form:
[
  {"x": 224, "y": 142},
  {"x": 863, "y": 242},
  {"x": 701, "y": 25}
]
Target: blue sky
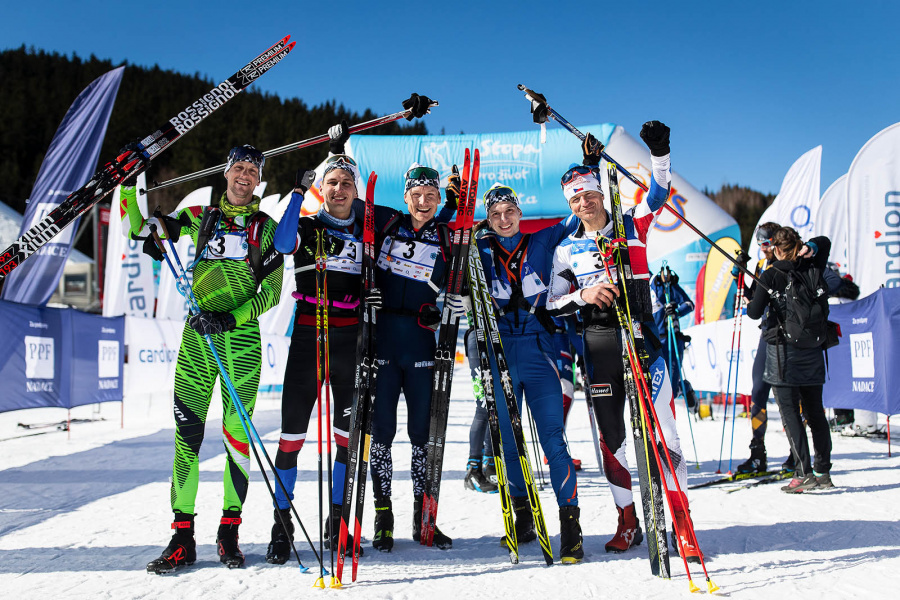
[{"x": 746, "y": 87}]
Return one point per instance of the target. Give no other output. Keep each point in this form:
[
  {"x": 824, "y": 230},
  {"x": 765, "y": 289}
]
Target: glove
[
  {"x": 373, "y": 298},
  {"x": 152, "y": 250},
  {"x": 671, "y": 309},
  {"x": 338, "y": 134},
  {"x": 131, "y": 179},
  {"x": 591, "y": 148},
  {"x": 457, "y": 305},
  {"x": 742, "y": 259},
  {"x": 418, "y": 104},
  {"x": 453, "y": 185},
  {"x": 656, "y": 136},
  {"x": 211, "y": 323},
  {"x": 304, "y": 179},
  {"x": 539, "y": 108}
]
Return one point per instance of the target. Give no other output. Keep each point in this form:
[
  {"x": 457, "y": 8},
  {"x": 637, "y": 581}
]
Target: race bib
[
  {"x": 413, "y": 259},
  {"x": 586, "y": 265},
  {"x": 227, "y": 246},
  {"x": 349, "y": 260}
]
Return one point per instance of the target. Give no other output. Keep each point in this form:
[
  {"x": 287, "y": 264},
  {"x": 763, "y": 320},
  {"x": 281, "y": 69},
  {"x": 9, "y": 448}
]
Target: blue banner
[
  {"x": 69, "y": 163},
  {"x": 516, "y": 159},
  {"x": 863, "y": 369},
  {"x": 59, "y": 357}
]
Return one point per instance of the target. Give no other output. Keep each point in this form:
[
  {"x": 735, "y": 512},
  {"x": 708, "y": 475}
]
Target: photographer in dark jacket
[{"x": 796, "y": 374}]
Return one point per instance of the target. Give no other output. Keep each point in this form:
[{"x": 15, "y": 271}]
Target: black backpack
[{"x": 805, "y": 317}]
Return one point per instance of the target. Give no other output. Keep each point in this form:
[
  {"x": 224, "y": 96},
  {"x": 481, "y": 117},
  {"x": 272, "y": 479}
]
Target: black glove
[
  {"x": 172, "y": 226},
  {"x": 591, "y": 148},
  {"x": 338, "y": 134},
  {"x": 211, "y": 323},
  {"x": 152, "y": 250},
  {"x": 656, "y": 136},
  {"x": 742, "y": 259},
  {"x": 373, "y": 298},
  {"x": 131, "y": 179},
  {"x": 453, "y": 184},
  {"x": 418, "y": 104},
  {"x": 672, "y": 309},
  {"x": 304, "y": 179},
  {"x": 539, "y": 108}
]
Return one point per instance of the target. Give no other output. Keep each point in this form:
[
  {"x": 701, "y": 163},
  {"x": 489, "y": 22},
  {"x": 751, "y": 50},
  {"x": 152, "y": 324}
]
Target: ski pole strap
[{"x": 334, "y": 303}]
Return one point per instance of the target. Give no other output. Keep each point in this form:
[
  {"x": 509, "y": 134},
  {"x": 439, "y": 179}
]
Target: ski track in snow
[{"x": 81, "y": 515}]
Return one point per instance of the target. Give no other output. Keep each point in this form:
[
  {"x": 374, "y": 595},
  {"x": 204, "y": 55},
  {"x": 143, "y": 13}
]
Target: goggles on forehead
[
  {"x": 246, "y": 153},
  {"x": 419, "y": 175},
  {"x": 578, "y": 171},
  {"x": 341, "y": 161},
  {"x": 423, "y": 173},
  {"x": 500, "y": 193}
]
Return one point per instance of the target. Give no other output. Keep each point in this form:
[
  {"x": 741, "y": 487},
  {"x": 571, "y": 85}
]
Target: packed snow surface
[{"x": 82, "y": 512}]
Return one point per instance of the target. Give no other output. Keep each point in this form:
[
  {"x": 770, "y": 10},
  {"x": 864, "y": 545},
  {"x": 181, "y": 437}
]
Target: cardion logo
[{"x": 890, "y": 245}]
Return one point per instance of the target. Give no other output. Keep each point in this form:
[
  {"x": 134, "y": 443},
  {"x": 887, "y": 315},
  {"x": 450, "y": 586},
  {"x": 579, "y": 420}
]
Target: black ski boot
[
  {"x": 524, "y": 521},
  {"x": 182, "y": 549},
  {"x": 571, "y": 549},
  {"x": 279, "y": 550},
  {"x": 333, "y": 530},
  {"x": 489, "y": 468},
  {"x": 384, "y": 525},
  {"x": 230, "y": 553},
  {"x": 757, "y": 462},
  {"x": 476, "y": 480},
  {"x": 440, "y": 540}
]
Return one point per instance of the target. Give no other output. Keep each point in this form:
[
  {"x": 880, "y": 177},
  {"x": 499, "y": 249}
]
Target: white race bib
[
  {"x": 227, "y": 246},
  {"x": 349, "y": 260},
  {"x": 413, "y": 259}
]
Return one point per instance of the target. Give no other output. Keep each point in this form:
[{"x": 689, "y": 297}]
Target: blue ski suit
[{"x": 519, "y": 289}]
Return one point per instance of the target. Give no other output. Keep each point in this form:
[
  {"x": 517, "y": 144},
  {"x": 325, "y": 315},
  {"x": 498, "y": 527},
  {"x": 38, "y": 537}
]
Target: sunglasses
[
  {"x": 579, "y": 171},
  {"x": 500, "y": 194},
  {"x": 340, "y": 158},
  {"x": 247, "y": 154},
  {"x": 422, "y": 173}
]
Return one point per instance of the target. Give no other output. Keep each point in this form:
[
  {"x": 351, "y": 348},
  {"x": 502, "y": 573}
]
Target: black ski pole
[
  {"x": 548, "y": 111},
  {"x": 285, "y": 149}
]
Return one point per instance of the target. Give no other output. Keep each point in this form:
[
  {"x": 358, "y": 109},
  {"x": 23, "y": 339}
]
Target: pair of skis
[
  {"x": 445, "y": 356},
  {"x": 486, "y": 331},
  {"x": 360, "y": 436},
  {"x": 645, "y": 427},
  {"x": 136, "y": 158}
]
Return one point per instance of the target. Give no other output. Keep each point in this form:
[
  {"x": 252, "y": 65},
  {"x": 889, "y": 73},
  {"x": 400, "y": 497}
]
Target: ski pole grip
[{"x": 156, "y": 239}]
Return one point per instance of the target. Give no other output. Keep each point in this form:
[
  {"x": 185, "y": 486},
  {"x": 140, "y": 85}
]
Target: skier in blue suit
[{"x": 518, "y": 269}]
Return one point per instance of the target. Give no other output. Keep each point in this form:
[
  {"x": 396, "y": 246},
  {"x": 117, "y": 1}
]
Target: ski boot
[
  {"x": 230, "y": 553},
  {"x": 182, "y": 549},
  {"x": 279, "y": 550},
  {"x": 524, "y": 521},
  {"x": 757, "y": 462},
  {"x": 629, "y": 532},
  {"x": 333, "y": 529},
  {"x": 489, "y": 468},
  {"x": 384, "y": 525},
  {"x": 475, "y": 479},
  {"x": 681, "y": 529},
  {"x": 440, "y": 540},
  {"x": 571, "y": 548}
]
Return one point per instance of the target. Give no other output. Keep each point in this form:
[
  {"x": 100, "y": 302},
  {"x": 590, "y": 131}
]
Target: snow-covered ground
[{"x": 82, "y": 514}]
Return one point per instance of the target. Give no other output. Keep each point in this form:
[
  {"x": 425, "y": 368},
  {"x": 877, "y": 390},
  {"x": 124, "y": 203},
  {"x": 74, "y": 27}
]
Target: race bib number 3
[{"x": 408, "y": 258}]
